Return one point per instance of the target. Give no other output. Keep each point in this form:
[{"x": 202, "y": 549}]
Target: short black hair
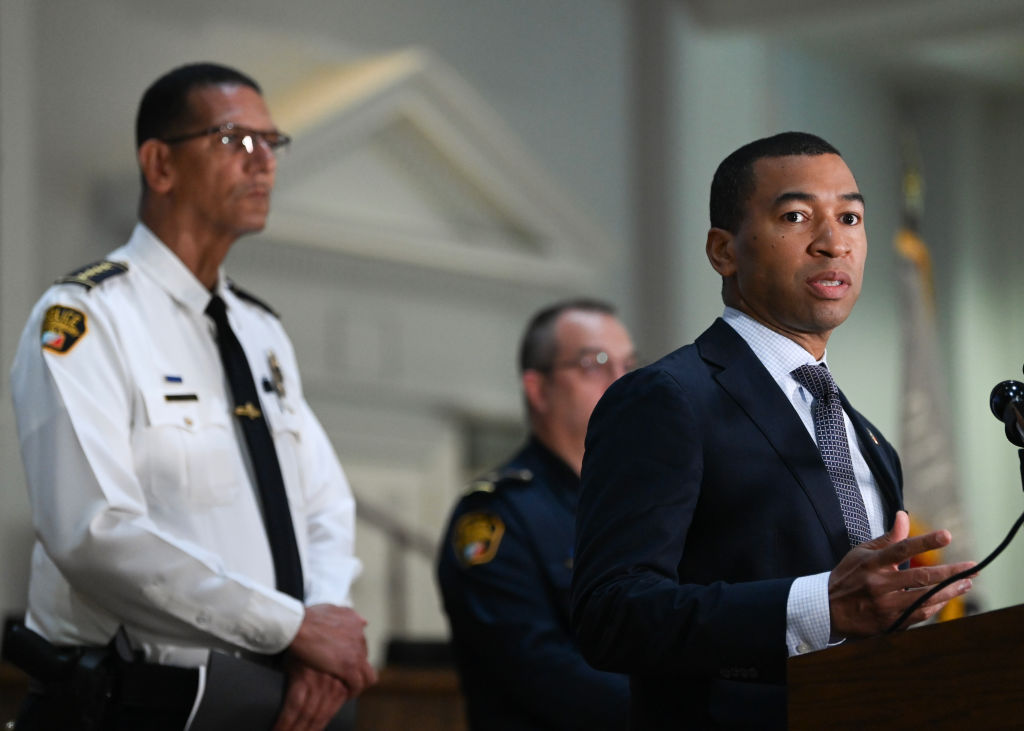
[
  {"x": 733, "y": 183},
  {"x": 164, "y": 109},
  {"x": 538, "y": 347}
]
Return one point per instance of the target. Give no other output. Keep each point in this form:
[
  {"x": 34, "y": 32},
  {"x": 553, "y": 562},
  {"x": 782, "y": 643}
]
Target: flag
[{"x": 927, "y": 449}]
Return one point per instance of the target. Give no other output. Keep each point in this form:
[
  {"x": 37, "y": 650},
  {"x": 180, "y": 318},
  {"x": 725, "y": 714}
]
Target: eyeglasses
[
  {"x": 597, "y": 362},
  {"x": 237, "y": 137}
]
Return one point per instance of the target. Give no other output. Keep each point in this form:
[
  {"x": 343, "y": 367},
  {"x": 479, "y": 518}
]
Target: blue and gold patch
[
  {"x": 92, "y": 274},
  {"x": 477, "y": 537},
  {"x": 62, "y": 328}
]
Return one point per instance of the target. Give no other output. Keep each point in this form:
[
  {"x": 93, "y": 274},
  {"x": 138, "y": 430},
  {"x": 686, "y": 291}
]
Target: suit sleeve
[
  {"x": 643, "y": 477},
  {"x": 502, "y": 613}
]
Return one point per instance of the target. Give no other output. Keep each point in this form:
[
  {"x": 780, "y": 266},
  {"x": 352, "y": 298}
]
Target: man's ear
[
  {"x": 721, "y": 251},
  {"x": 155, "y": 163},
  {"x": 533, "y": 389}
]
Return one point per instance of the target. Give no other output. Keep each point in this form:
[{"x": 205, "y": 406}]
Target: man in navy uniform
[
  {"x": 506, "y": 562},
  {"x": 736, "y": 509}
]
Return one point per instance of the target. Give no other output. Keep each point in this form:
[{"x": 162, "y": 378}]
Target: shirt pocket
[
  {"x": 187, "y": 453},
  {"x": 285, "y": 427}
]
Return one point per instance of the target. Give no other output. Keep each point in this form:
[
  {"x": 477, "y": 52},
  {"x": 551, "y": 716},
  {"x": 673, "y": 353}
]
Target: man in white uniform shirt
[{"x": 147, "y": 489}]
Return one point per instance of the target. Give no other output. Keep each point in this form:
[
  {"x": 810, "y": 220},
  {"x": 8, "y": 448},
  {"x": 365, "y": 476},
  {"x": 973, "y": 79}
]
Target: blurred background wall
[{"x": 459, "y": 164}]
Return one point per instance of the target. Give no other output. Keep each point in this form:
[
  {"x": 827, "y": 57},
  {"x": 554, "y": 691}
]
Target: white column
[
  {"x": 17, "y": 277},
  {"x": 17, "y": 173}
]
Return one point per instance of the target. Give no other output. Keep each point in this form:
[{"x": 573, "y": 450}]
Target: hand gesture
[{"x": 867, "y": 592}]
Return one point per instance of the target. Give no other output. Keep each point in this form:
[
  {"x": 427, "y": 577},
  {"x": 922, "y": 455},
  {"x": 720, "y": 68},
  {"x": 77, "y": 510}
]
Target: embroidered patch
[
  {"x": 477, "y": 536},
  {"x": 62, "y": 328}
]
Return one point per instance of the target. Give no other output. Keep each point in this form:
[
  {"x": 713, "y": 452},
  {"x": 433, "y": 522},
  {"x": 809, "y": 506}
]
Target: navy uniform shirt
[{"x": 504, "y": 572}]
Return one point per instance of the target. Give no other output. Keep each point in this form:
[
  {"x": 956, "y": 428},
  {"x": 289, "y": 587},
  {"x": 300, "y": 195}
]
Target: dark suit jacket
[{"x": 703, "y": 498}]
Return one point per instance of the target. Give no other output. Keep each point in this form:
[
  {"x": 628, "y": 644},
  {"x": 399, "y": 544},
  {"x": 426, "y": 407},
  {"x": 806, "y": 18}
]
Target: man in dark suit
[
  {"x": 714, "y": 538},
  {"x": 505, "y": 564}
]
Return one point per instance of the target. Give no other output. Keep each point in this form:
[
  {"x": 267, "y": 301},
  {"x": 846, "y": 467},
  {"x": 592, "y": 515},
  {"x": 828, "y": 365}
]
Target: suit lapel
[
  {"x": 749, "y": 383},
  {"x": 878, "y": 460}
]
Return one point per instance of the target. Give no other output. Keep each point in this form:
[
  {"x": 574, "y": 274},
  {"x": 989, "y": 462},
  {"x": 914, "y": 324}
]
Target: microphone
[{"x": 1007, "y": 404}]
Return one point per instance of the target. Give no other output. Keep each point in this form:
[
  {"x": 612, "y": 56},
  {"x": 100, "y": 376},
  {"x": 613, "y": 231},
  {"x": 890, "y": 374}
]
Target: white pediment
[{"x": 397, "y": 159}]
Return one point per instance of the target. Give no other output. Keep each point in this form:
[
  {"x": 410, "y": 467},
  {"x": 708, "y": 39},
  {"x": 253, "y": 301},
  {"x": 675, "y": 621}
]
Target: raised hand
[{"x": 867, "y": 591}]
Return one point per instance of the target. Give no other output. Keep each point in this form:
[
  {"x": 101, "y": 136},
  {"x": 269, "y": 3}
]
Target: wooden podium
[{"x": 963, "y": 674}]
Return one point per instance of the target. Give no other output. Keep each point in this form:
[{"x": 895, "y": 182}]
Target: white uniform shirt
[{"x": 143, "y": 500}]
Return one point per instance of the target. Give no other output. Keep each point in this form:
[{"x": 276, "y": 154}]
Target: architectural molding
[{"x": 398, "y": 159}]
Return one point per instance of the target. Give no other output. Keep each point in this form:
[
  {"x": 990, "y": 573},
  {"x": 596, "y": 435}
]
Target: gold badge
[
  {"x": 477, "y": 536},
  {"x": 276, "y": 375},
  {"x": 62, "y": 328}
]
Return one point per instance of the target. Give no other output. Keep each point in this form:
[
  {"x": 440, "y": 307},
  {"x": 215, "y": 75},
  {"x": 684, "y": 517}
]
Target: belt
[
  {"x": 158, "y": 687},
  {"x": 149, "y": 685},
  {"x": 143, "y": 696}
]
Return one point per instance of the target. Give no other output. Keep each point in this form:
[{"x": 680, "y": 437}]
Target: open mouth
[{"x": 829, "y": 284}]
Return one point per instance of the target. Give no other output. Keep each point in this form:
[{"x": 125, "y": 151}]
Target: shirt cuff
[
  {"x": 269, "y": 624},
  {"x": 808, "y": 622}
]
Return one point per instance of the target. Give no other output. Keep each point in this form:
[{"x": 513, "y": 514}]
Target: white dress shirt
[
  {"x": 143, "y": 499},
  {"x": 807, "y": 611}
]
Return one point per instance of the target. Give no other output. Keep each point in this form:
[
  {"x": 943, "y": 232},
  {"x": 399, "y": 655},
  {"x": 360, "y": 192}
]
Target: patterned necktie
[
  {"x": 830, "y": 431},
  {"x": 277, "y": 518}
]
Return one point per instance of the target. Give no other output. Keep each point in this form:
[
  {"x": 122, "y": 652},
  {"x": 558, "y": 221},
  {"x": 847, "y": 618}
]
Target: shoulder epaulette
[
  {"x": 92, "y": 274},
  {"x": 242, "y": 294},
  {"x": 490, "y": 481}
]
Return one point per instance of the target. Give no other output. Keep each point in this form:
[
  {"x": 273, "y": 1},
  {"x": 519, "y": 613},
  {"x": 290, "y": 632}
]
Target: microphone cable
[
  {"x": 957, "y": 577},
  {"x": 1007, "y": 404}
]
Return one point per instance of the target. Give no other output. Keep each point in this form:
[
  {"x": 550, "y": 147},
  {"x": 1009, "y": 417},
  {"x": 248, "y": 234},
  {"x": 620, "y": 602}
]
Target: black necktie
[
  {"x": 830, "y": 430},
  {"x": 276, "y": 516}
]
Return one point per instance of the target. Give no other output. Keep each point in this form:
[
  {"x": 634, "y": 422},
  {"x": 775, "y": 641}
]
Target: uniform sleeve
[
  {"x": 331, "y": 565},
  {"x": 503, "y": 617},
  {"x": 642, "y": 482},
  {"x": 74, "y": 413}
]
